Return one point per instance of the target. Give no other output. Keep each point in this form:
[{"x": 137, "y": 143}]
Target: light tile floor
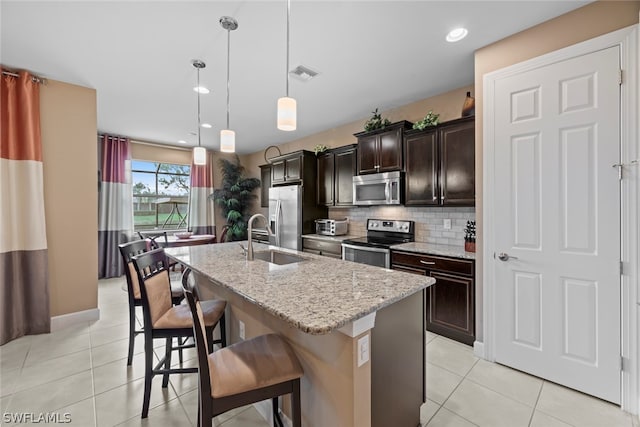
[{"x": 82, "y": 371}]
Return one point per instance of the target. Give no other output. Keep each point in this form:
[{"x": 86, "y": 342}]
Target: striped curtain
[
  {"x": 115, "y": 204},
  {"x": 24, "y": 277},
  {"x": 201, "y": 219}
]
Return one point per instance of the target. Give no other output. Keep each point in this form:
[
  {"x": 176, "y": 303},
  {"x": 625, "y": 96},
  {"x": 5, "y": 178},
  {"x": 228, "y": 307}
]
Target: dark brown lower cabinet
[
  {"x": 450, "y": 302},
  {"x": 450, "y": 307}
]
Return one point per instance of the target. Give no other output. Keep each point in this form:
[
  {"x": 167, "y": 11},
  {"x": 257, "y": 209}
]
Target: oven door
[{"x": 378, "y": 257}]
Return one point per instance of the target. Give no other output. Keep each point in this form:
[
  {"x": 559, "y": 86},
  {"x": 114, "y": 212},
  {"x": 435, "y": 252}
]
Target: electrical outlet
[
  {"x": 241, "y": 329},
  {"x": 363, "y": 350},
  {"x": 447, "y": 224}
]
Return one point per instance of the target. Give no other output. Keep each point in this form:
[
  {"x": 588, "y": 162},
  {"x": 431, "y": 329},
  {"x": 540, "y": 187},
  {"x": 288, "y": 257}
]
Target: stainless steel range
[{"x": 375, "y": 248}]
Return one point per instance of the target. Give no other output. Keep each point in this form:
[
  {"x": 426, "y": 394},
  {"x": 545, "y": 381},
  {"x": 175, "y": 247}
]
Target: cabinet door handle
[
  {"x": 435, "y": 198},
  {"x": 427, "y": 262}
]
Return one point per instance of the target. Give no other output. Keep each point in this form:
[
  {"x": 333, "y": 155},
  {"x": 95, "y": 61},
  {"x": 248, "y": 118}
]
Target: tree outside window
[{"x": 160, "y": 195}]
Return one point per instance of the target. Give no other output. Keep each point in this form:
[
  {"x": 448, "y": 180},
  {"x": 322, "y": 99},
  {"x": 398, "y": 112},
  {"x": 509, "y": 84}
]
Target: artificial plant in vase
[
  {"x": 431, "y": 119},
  {"x": 234, "y": 197},
  {"x": 376, "y": 122}
]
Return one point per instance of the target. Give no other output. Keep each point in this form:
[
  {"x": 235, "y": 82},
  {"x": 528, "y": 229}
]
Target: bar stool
[
  {"x": 162, "y": 320},
  {"x": 249, "y": 371},
  {"x": 128, "y": 251}
]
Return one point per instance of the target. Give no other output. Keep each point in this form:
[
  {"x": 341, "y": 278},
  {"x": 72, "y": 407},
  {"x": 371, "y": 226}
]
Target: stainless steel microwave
[{"x": 378, "y": 189}]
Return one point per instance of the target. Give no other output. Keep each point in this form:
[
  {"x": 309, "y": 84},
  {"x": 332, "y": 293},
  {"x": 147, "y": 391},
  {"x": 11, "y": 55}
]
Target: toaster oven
[{"x": 331, "y": 227}]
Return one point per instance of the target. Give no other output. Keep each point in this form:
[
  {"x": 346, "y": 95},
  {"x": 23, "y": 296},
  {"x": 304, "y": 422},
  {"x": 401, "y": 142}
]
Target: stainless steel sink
[{"x": 277, "y": 257}]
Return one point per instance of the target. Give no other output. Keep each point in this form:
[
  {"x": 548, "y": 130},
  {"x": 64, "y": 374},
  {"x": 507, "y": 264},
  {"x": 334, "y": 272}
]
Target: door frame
[{"x": 627, "y": 40}]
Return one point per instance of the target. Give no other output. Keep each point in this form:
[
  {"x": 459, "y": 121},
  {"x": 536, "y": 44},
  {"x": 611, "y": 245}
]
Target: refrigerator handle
[{"x": 278, "y": 221}]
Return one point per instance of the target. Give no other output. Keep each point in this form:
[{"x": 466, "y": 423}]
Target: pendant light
[
  {"x": 199, "y": 152},
  {"x": 287, "y": 116},
  {"x": 227, "y": 136}
]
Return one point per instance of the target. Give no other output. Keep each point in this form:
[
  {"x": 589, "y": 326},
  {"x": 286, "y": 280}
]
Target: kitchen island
[{"x": 358, "y": 330}]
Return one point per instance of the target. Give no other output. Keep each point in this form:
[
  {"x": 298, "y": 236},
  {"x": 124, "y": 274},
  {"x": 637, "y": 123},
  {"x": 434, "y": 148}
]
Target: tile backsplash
[{"x": 429, "y": 221}]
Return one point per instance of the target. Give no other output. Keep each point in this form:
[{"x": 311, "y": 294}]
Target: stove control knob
[{"x": 405, "y": 227}]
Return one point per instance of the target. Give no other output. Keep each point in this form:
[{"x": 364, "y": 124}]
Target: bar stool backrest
[
  {"x": 155, "y": 287},
  {"x": 128, "y": 251},
  {"x": 201, "y": 343}
]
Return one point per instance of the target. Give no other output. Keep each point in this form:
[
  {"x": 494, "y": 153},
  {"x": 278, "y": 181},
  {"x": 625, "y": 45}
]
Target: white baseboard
[
  {"x": 70, "y": 319},
  {"x": 478, "y": 349}
]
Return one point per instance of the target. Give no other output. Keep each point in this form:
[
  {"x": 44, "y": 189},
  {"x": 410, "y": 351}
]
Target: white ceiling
[{"x": 137, "y": 55}]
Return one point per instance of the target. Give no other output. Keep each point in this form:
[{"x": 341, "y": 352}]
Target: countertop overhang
[{"x": 317, "y": 295}]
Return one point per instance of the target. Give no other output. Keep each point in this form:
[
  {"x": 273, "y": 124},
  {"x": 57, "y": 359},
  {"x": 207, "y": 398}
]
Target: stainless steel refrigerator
[{"x": 292, "y": 212}]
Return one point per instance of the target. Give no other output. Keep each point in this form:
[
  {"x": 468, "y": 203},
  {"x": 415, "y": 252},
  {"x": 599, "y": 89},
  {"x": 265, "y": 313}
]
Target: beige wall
[
  {"x": 70, "y": 153},
  {"x": 590, "y": 21}
]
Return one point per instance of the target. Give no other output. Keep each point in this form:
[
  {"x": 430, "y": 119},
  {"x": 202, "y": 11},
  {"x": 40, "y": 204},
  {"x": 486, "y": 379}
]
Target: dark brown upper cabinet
[
  {"x": 381, "y": 150},
  {"x": 288, "y": 168},
  {"x": 421, "y": 164},
  {"x": 440, "y": 164},
  {"x": 336, "y": 169},
  {"x": 265, "y": 184}
]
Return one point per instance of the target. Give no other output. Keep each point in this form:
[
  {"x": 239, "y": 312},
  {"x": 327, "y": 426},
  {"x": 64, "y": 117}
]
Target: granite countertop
[
  {"x": 330, "y": 238},
  {"x": 317, "y": 295},
  {"x": 435, "y": 249}
]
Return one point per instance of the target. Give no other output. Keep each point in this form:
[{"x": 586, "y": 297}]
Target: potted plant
[
  {"x": 376, "y": 122},
  {"x": 470, "y": 237},
  {"x": 431, "y": 119},
  {"x": 320, "y": 148},
  {"x": 234, "y": 197}
]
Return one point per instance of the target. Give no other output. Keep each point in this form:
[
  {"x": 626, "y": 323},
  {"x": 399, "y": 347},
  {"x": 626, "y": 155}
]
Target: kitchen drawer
[
  {"x": 432, "y": 262},
  {"x": 322, "y": 246}
]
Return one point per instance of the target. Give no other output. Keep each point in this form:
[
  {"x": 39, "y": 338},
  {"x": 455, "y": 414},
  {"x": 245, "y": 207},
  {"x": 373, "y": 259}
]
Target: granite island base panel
[{"x": 324, "y": 308}]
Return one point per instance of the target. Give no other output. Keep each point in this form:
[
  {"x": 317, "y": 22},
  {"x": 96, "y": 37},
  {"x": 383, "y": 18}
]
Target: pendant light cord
[
  {"x": 198, "y": 91},
  {"x": 288, "y": 18},
  {"x": 228, "y": 61}
]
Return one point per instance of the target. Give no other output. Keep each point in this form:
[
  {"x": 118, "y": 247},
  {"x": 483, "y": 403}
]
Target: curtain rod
[
  {"x": 34, "y": 79},
  {"x": 121, "y": 138}
]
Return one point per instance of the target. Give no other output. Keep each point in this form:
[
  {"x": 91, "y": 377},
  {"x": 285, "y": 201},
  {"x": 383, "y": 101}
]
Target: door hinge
[
  {"x": 621, "y": 268},
  {"x": 624, "y": 364},
  {"x": 620, "y": 76}
]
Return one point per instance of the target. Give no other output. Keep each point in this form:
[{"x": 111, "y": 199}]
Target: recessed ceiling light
[
  {"x": 201, "y": 89},
  {"x": 182, "y": 141},
  {"x": 206, "y": 125},
  {"x": 457, "y": 34}
]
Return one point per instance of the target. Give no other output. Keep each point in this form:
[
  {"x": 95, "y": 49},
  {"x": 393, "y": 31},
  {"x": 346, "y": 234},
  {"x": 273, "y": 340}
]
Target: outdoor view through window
[{"x": 160, "y": 195}]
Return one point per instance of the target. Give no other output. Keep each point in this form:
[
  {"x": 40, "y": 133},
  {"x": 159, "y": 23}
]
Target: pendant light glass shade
[
  {"x": 199, "y": 156},
  {"x": 287, "y": 113},
  {"x": 227, "y": 141}
]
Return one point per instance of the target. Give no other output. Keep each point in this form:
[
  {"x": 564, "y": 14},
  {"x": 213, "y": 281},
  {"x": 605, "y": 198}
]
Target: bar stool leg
[
  {"x": 296, "y": 415},
  {"x": 148, "y": 374},
  {"x": 277, "y": 421},
  {"x": 132, "y": 334},
  {"x": 167, "y": 361}
]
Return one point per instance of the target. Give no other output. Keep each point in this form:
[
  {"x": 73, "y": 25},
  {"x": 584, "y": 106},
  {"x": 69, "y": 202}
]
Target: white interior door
[{"x": 557, "y": 216}]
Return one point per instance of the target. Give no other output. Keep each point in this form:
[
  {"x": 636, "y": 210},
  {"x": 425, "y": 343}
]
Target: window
[{"x": 160, "y": 195}]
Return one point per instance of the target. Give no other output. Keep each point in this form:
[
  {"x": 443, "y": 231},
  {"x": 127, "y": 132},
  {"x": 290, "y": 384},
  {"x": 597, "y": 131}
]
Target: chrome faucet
[{"x": 249, "y": 251}]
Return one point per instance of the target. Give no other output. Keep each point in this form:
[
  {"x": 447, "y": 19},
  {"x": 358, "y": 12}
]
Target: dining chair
[
  {"x": 154, "y": 237},
  {"x": 128, "y": 251},
  {"x": 264, "y": 367},
  {"x": 163, "y": 320}
]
